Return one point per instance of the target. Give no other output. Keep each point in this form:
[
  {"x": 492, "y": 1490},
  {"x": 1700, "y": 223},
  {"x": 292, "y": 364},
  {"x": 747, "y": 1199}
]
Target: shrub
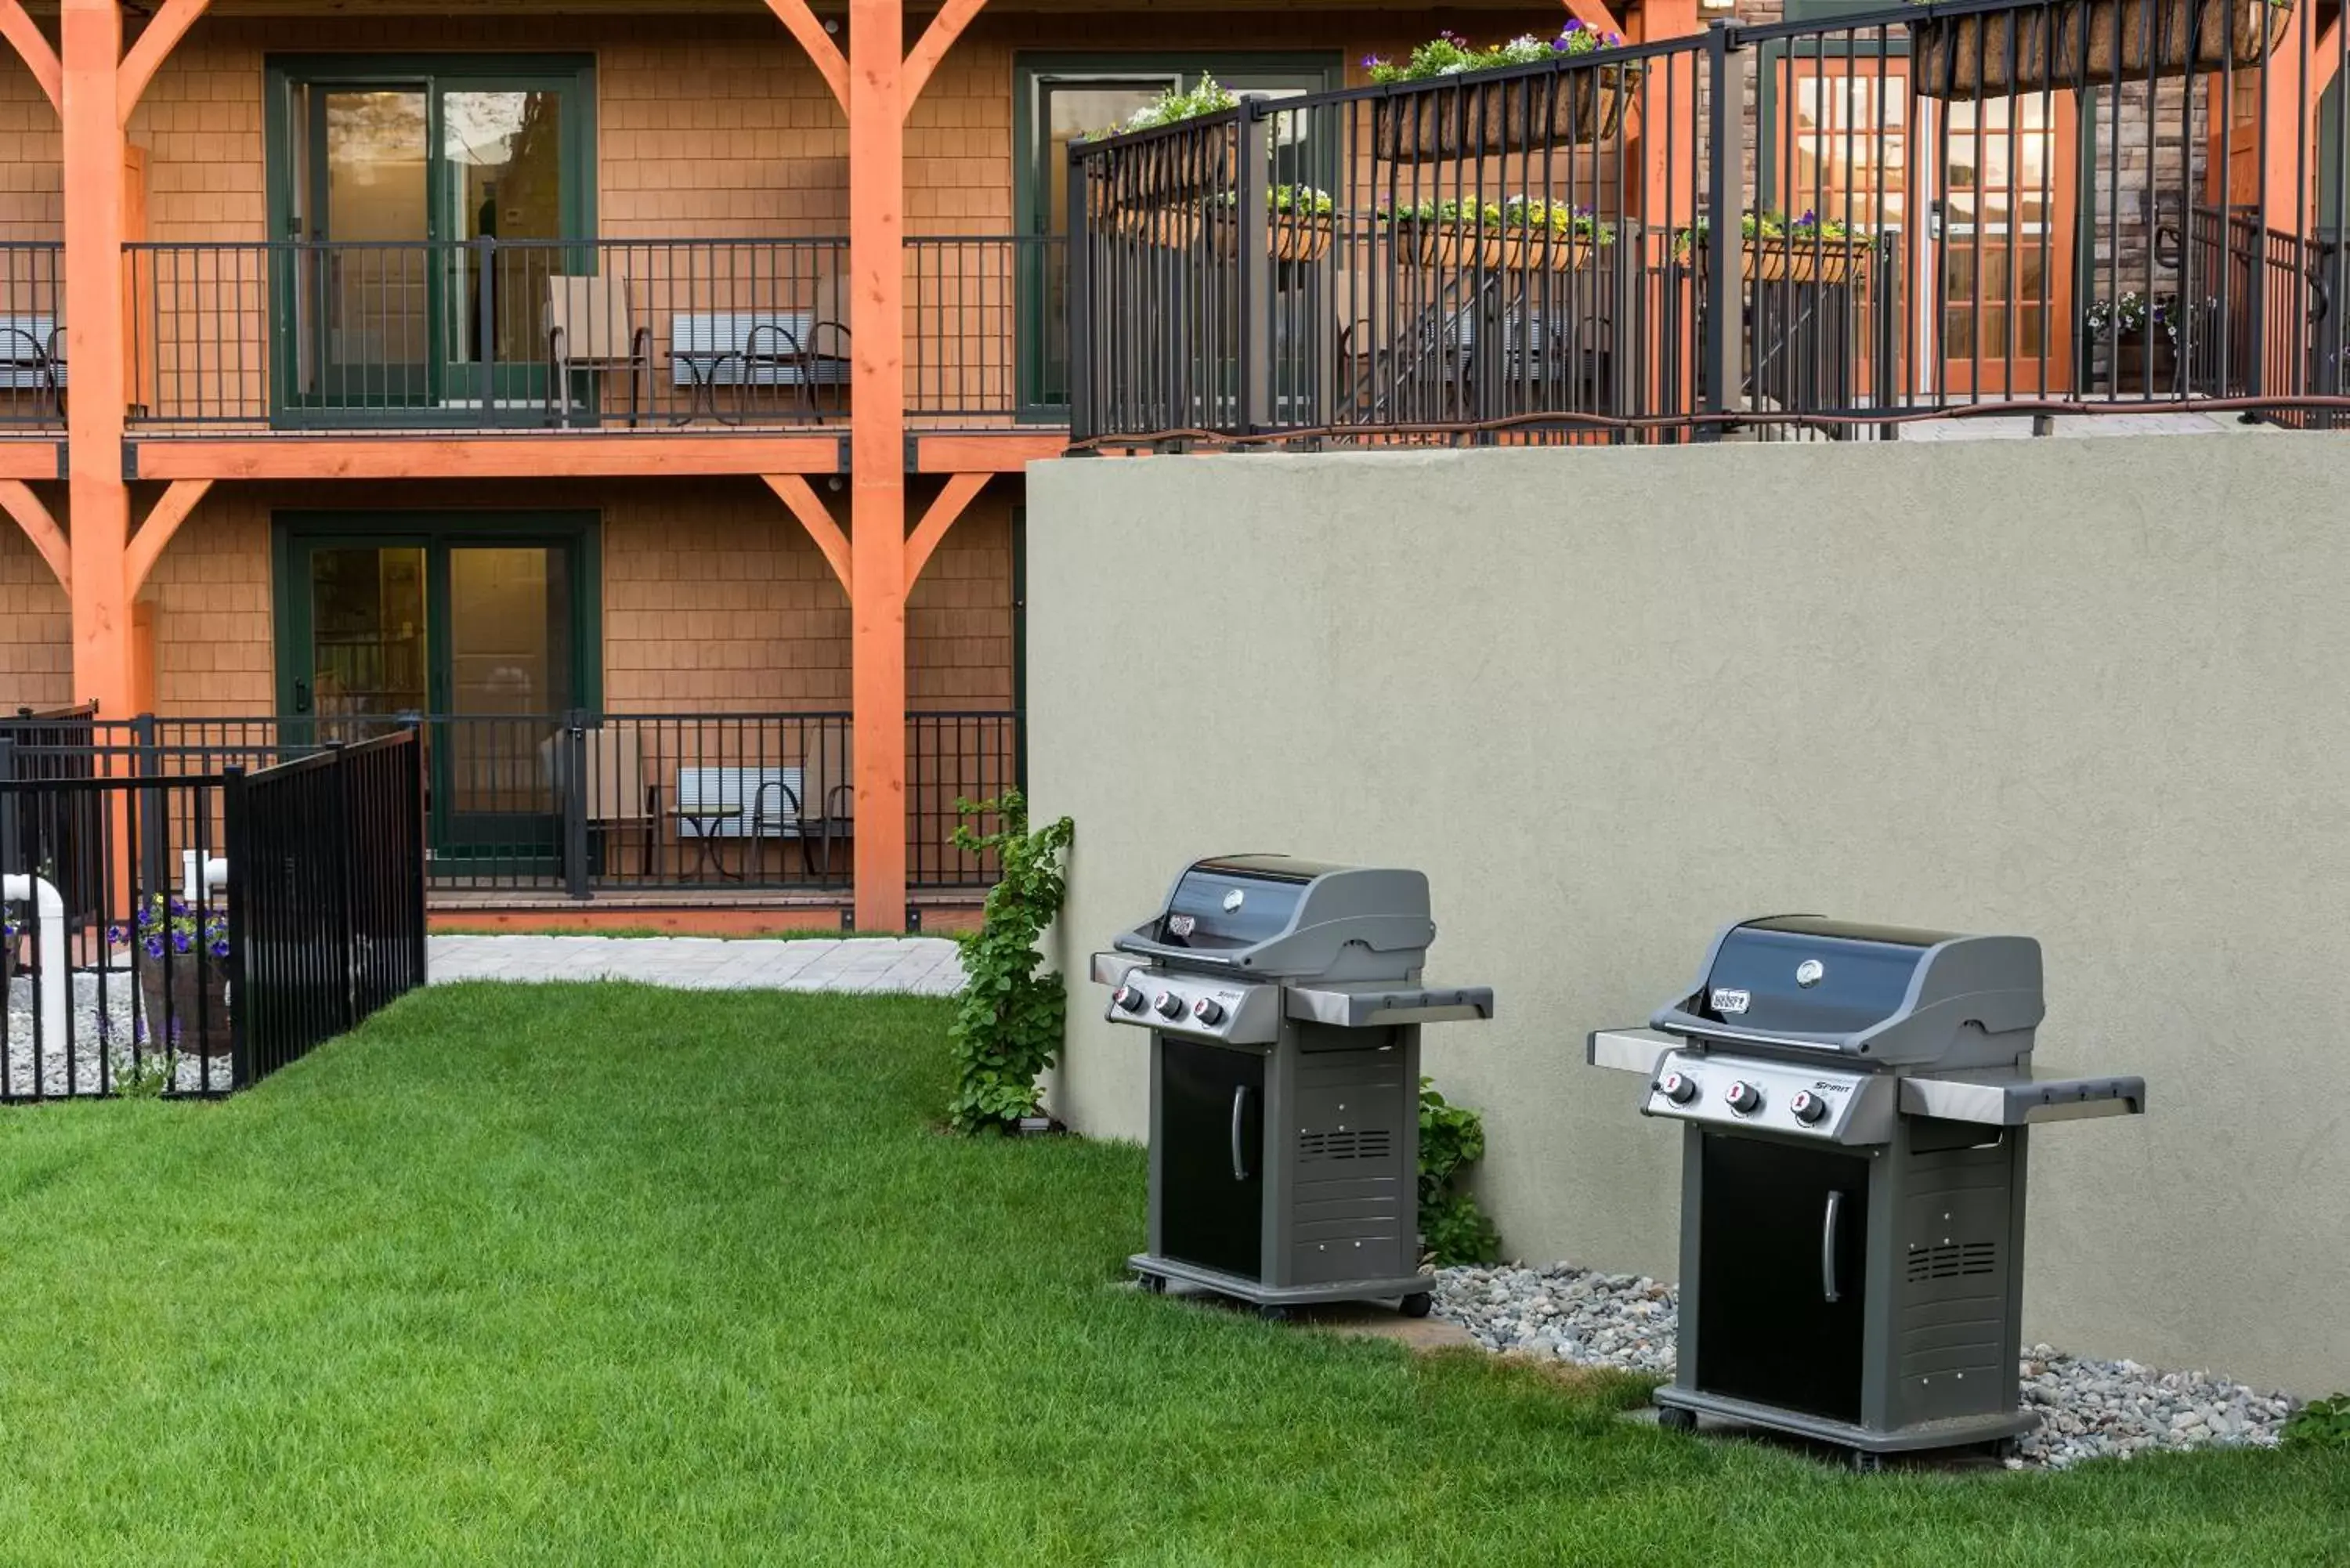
[
  {"x": 1452, "y": 1229},
  {"x": 2320, "y": 1424},
  {"x": 1451, "y": 55},
  {"x": 1174, "y": 105},
  {"x": 1009, "y": 1024}
]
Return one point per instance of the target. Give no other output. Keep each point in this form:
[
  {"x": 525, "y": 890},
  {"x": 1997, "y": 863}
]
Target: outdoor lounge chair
[{"x": 591, "y": 325}]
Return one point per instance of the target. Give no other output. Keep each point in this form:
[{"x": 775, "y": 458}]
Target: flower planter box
[
  {"x": 1460, "y": 248},
  {"x": 2136, "y": 368},
  {"x": 1453, "y": 116},
  {"x": 2081, "y": 44},
  {"x": 1288, "y": 238},
  {"x": 188, "y": 1010},
  {"x": 1795, "y": 259}
]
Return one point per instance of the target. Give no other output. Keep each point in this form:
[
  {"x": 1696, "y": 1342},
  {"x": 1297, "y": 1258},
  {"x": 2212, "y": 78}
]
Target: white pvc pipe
[
  {"x": 57, "y": 981},
  {"x": 216, "y": 875}
]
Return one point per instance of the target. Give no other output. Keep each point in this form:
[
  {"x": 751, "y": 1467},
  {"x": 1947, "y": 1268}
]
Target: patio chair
[
  {"x": 829, "y": 794},
  {"x": 591, "y": 325}
]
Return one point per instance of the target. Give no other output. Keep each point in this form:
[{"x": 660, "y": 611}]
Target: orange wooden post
[
  {"x": 90, "y": 35},
  {"x": 1668, "y": 197}
]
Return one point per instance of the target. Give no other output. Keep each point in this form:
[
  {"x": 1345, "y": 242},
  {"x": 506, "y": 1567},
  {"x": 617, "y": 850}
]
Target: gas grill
[
  {"x": 1284, "y": 1002},
  {"x": 1856, "y": 1100}
]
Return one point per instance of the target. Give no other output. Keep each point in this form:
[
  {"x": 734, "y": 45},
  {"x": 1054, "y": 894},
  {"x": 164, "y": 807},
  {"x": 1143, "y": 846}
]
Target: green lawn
[{"x": 604, "y": 1274}]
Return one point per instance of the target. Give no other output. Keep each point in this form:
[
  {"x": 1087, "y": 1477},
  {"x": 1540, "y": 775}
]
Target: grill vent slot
[
  {"x": 1369, "y": 1143},
  {"x": 1952, "y": 1260}
]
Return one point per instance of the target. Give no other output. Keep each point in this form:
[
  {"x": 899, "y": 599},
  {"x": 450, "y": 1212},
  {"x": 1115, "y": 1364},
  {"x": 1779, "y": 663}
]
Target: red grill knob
[
  {"x": 1207, "y": 1010},
  {"x": 1127, "y": 997},
  {"x": 1678, "y": 1087},
  {"x": 1808, "y": 1108},
  {"x": 1169, "y": 1005},
  {"x": 1744, "y": 1098}
]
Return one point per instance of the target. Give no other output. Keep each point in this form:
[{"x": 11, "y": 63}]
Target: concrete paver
[{"x": 921, "y": 966}]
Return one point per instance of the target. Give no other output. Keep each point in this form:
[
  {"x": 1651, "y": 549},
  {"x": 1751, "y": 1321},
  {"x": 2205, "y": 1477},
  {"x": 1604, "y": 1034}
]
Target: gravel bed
[
  {"x": 2088, "y": 1409},
  {"x": 92, "y": 1030}
]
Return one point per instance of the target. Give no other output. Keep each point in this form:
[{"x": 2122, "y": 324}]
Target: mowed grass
[{"x": 601, "y": 1275}]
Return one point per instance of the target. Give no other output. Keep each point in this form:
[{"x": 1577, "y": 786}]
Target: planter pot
[
  {"x": 188, "y": 1013},
  {"x": 1460, "y": 248},
  {"x": 1803, "y": 260},
  {"x": 1288, "y": 238},
  {"x": 2088, "y": 42},
  {"x": 1452, "y": 117},
  {"x": 2137, "y": 368}
]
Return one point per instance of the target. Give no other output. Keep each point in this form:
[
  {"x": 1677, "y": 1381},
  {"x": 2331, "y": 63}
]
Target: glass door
[
  {"x": 398, "y": 184},
  {"x": 482, "y": 627},
  {"x": 2000, "y": 248}
]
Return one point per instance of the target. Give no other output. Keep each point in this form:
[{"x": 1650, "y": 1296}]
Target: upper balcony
[{"x": 1964, "y": 218}]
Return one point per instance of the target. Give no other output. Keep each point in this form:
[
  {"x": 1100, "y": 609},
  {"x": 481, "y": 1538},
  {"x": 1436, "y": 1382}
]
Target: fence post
[
  {"x": 235, "y": 827},
  {"x": 1078, "y": 291},
  {"x": 574, "y": 803},
  {"x": 485, "y": 353},
  {"x": 12, "y": 848},
  {"x": 1253, "y": 191},
  {"x": 340, "y": 770},
  {"x": 154, "y": 873},
  {"x": 1722, "y": 339},
  {"x": 415, "y": 817}
]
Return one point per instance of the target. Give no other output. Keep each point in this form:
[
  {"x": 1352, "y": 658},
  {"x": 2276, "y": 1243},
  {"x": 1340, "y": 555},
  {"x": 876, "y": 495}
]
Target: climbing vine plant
[{"x": 1011, "y": 1020}]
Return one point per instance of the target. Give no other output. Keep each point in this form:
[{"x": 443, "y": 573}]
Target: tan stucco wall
[{"x": 2092, "y": 691}]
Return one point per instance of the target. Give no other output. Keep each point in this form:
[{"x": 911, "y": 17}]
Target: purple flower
[
  {"x": 1613, "y": 40},
  {"x": 1574, "y": 26},
  {"x": 182, "y": 941},
  {"x": 220, "y": 947},
  {"x": 177, "y": 908},
  {"x": 154, "y": 947},
  {"x": 116, "y": 936}
]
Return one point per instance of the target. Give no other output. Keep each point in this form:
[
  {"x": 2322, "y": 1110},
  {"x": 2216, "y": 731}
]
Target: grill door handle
[
  {"x": 1240, "y": 1156},
  {"x": 1828, "y": 1291}
]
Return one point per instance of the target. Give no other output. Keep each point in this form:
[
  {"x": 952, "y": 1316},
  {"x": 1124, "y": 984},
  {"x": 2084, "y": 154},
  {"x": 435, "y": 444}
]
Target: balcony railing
[
  {"x": 32, "y": 336},
  {"x": 2028, "y": 207},
  {"x": 646, "y": 335}
]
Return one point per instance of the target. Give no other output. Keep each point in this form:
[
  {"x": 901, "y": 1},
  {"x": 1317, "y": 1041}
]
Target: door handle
[
  {"x": 1239, "y": 1155},
  {"x": 1828, "y": 1291},
  {"x": 301, "y": 696}
]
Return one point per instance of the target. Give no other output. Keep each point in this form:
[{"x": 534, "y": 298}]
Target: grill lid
[
  {"x": 1275, "y": 915},
  {"x": 1888, "y": 995}
]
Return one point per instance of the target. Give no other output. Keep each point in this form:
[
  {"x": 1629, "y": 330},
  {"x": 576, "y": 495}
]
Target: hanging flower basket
[
  {"x": 2084, "y": 43},
  {"x": 1454, "y": 116},
  {"x": 1791, "y": 259},
  {"x": 1463, "y": 247},
  {"x": 1299, "y": 227}
]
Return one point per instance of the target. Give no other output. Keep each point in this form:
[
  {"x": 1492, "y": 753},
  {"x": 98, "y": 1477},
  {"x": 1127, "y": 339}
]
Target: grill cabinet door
[
  {"x": 1767, "y": 1331},
  {"x": 1211, "y": 1204}
]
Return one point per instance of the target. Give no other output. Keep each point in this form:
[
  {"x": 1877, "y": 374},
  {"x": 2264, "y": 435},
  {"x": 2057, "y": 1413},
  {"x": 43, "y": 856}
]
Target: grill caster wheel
[
  {"x": 1673, "y": 1418},
  {"x": 1416, "y": 1305},
  {"x": 1865, "y": 1464},
  {"x": 1152, "y": 1284},
  {"x": 1271, "y": 1313}
]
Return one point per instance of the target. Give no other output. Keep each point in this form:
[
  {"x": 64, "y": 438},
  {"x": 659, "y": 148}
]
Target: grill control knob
[
  {"x": 1808, "y": 1108},
  {"x": 1207, "y": 1010},
  {"x": 1744, "y": 1098},
  {"x": 1128, "y": 998},
  {"x": 1678, "y": 1087},
  {"x": 1169, "y": 1005}
]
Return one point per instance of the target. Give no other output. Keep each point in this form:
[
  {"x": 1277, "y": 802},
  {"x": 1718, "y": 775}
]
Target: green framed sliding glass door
[
  {"x": 486, "y": 621},
  {"x": 382, "y": 170}
]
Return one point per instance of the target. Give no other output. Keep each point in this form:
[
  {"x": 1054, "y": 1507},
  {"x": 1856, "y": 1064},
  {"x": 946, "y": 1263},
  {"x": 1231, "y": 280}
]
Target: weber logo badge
[
  {"x": 1730, "y": 1003},
  {"x": 1233, "y": 901},
  {"x": 1180, "y": 925},
  {"x": 1809, "y": 972}
]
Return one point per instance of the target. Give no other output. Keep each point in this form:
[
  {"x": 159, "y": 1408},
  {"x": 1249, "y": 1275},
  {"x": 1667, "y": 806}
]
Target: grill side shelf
[
  {"x": 2018, "y": 1099},
  {"x": 1366, "y": 1006},
  {"x": 1629, "y": 1050}
]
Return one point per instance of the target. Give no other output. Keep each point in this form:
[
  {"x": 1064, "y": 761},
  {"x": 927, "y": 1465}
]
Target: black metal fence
[
  {"x": 639, "y": 333},
  {"x": 1829, "y": 227},
  {"x": 581, "y": 805},
  {"x": 32, "y": 335},
  {"x": 205, "y": 928}
]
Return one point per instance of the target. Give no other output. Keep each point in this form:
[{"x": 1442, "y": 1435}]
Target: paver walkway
[{"x": 925, "y": 966}]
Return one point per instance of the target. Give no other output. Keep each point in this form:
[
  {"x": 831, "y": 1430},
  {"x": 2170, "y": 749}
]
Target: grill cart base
[
  {"x": 1965, "y": 1432},
  {"x": 1412, "y": 1292}
]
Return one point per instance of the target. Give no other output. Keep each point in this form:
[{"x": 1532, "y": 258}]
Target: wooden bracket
[
  {"x": 937, "y": 38},
  {"x": 164, "y": 520},
  {"x": 950, "y": 505},
  {"x": 830, "y": 63},
  {"x": 163, "y": 32},
  {"x": 34, "y": 50},
  {"x": 17, "y": 498},
  {"x": 798, "y": 495}
]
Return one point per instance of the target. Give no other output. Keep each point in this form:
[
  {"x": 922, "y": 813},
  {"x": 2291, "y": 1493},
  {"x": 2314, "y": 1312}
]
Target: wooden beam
[
  {"x": 830, "y": 63},
  {"x": 998, "y": 452},
  {"x": 815, "y": 517},
  {"x": 32, "y": 460},
  {"x": 937, "y": 38},
  {"x": 164, "y": 520},
  {"x": 163, "y": 32},
  {"x": 40, "y": 527},
  {"x": 34, "y": 50},
  {"x": 89, "y": 49},
  {"x": 548, "y": 455},
  {"x": 959, "y": 493}
]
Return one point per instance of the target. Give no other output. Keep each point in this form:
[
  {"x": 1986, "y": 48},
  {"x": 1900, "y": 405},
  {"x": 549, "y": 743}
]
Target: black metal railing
[
  {"x": 648, "y": 335},
  {"x": 582, "y": 804},
  {"x": 32, "y": 335},
  {"x": 232, "y": 923},
  {"x": 1964, "y": 208}
]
